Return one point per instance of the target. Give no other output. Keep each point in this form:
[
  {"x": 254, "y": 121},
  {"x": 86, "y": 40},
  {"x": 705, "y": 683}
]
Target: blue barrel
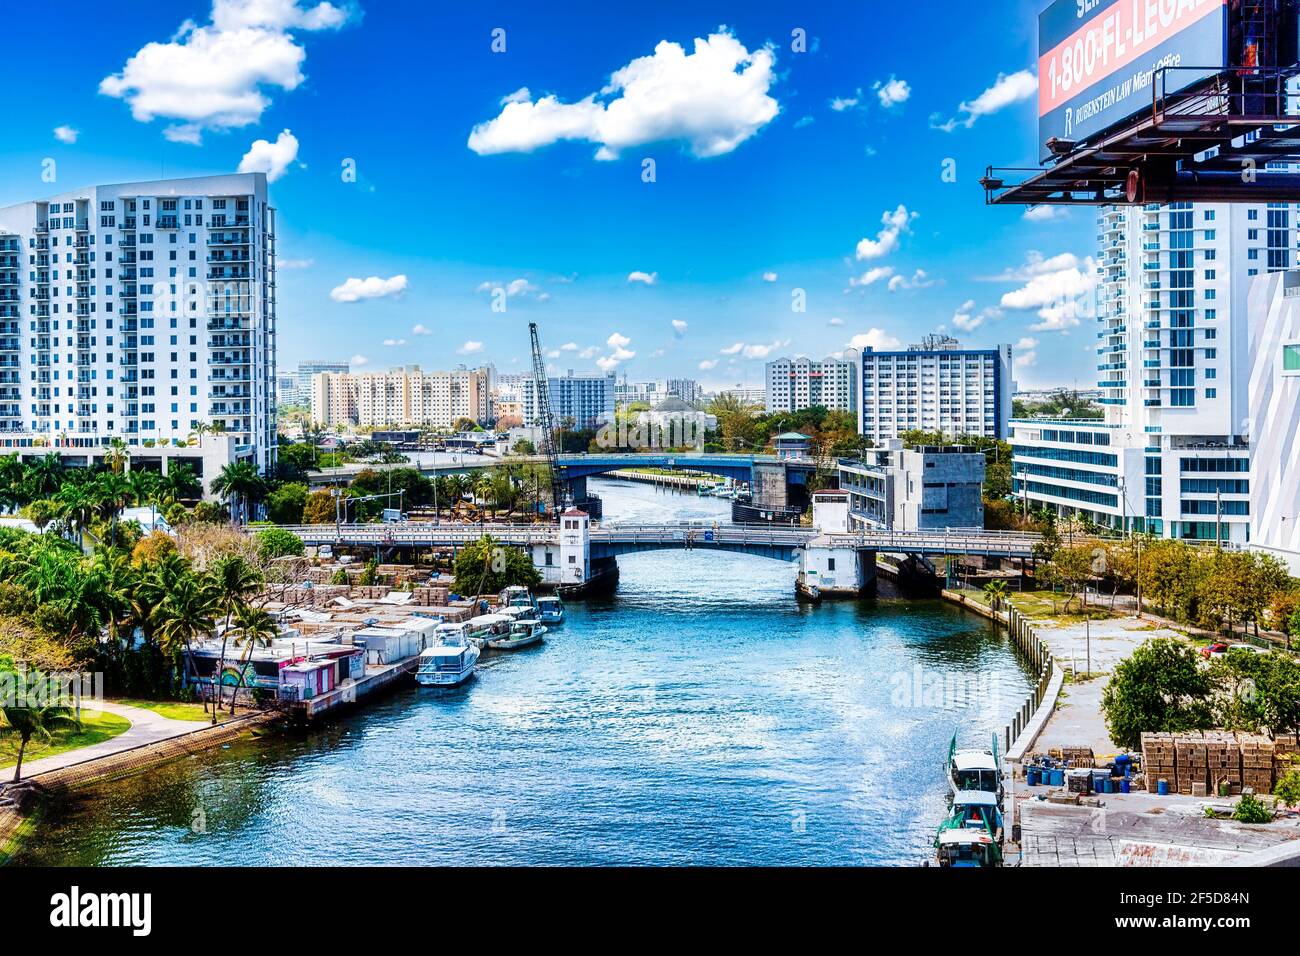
[
  {"x": 1124, "y": 785},
  {"x": 1058, "y": 777},
  {"x": 1162, "y": 788},
  {"x": 1031, "y": 776}
]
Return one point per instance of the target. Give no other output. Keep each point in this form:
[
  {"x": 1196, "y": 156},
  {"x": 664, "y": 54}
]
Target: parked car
[
  {"x": 1217, "y": 649},
  {"x": 1252, "y": 648}
]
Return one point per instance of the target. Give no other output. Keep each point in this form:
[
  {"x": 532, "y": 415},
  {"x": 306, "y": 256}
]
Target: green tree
[
  {"x": 275, "y": 543},
  {"x": 185, "y": 615},
  {"x": 241, "y": 485},
  {"x": 233, "y": 581},
  {"x": 486, "y": 567},
  {"x": 254, "y": 627},
  {"x": 30, "y": 720},
  {"x": 319, "y": 509},
  {"x": 1159, "y": 688},
  {"x": 996, "y": 592},
  {"x": 285, "y": 504}
]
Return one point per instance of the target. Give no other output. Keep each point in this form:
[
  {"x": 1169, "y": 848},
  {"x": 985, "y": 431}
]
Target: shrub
[
  {"x": 1251, "y": 809},
  {"x": 278, "y": 543}
]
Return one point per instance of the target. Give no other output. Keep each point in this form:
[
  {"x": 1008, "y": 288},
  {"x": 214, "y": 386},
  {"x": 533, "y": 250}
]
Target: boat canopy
[
  {"x": 963, "y": 837},
  {"x": 975, "y": 798},
  {"x": 443, "y": 650},
  {"x": 974, "y": 760},
  {"x": 490, "y": 620}
]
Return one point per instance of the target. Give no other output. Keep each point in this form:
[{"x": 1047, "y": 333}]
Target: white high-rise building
[
  {"x": 140, "y": 311},
  {"x": 936, "y": 386},
  {"x": 584, "y": 401},
  {"x": 1174, "y": 363},
  {"x": 799, "y": 383}
]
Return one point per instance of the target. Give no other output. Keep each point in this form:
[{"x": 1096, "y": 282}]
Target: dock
[{"x": 377, "y": 678}]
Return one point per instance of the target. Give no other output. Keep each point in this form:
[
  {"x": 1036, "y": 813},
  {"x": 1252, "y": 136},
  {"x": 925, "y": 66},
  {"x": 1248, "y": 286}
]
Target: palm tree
[
  {"x": 45, "y": 475},
  {"x": 996, "y": 592},
  {"x": 233, "y": 581},
  {"x": 187, "y": 614},
  {"x": 112, "y": 491},
  {"x": 180, "y": 482},
  {"x": 239, "y": 480},
  {"x": 34, "y": 722},
  {"x": 76, "y": 505},
  {"x": 117, "y": 455},
  {"x": 254, "y": 627}
]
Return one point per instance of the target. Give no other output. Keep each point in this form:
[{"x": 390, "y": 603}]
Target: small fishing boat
[
  {"x": 521, "y": 634},
  {"x": 976, "y": 810},
  {"x": 488, "y": 627},
  {"x": 550, "y": 610},
  {"x": 447, "y": 665},
  {"x": 517, "y": 596},
  {"x": 974, "y": 770},
  {"x": 966, "y": 848}
]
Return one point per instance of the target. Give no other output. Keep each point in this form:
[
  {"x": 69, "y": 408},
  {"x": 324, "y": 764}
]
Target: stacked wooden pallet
[
  {"x": 1223, "y": 761},
  {"x": 1158, "y": 758},
  {"x": 1258, "y": 754},
  {"x": 1191, "y": 772}
]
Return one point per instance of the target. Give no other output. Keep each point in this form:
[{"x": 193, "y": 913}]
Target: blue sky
[{"x": 778, "y": 174}]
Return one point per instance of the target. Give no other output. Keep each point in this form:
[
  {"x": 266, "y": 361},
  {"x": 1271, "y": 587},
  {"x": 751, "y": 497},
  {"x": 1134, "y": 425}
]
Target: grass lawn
[
  {"x": 173, "y": 709},
  {"x": 95, "y": 728},
  {"x": 1038, "y": 604}
]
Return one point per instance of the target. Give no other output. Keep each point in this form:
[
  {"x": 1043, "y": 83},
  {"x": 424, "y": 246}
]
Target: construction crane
[{"x": 550, "y": 439}]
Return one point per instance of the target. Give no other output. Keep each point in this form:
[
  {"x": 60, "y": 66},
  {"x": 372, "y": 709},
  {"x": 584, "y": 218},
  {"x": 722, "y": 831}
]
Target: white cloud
[
  {"x": 872, "y": 276},
  {"x": 648, "y": 278},
  {"x": 842, "y": 103},
  {"x": 1059, "y": 289},
  {"x": 590, "y": 352},
  {"x": 391, "y": 343},
  {"x": 708, "y": 365},
  {"x": 294, "y": 263},
  {"x": 66, "y": 134},
  {"x": 894, "y": 224},
  {"x": 470, "y": 348},
  {"x": 515, "y": 288},
  {"x": 213, "y": 77},
  {"x": 1007, "y": 90},
  {"x": 874, "y": 339},
  {"x": 270, "y": 158},
  {"x": 892, "y": 92},
  {"x": 679, "y": 327},
  {"x": 1027, "y": 357},
  {"x": 569, "y": 347},
  {"x": 618, "y": 340},
  {"x": 358, "y": 360},
  {"x": 920, "y": 280},
  {"x": 1036, "y": 265},
  {"x": 763, "y": 351},
  {"x": 769, "y": 276},
  {"x": 1046, "y": 213},
  {"x": 712, "y": 99},
  {"x": 968, "y": 320},
  {"x": 836, "y": 322},
  {"x": 732, "y": 349},
  {"x": 420, "y": 329},
  {"x": 354, "y": 290}
]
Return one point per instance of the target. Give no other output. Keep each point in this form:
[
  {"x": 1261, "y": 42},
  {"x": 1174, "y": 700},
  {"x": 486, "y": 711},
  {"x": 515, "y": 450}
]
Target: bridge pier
[{"x": 828, "y": 568}]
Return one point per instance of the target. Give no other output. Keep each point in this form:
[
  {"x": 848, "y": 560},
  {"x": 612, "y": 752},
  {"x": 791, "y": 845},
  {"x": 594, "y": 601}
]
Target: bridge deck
[{"x": 644, "y": 537}]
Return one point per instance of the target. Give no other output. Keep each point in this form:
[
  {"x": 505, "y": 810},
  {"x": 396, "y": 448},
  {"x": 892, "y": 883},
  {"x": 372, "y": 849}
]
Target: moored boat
[
  {"x": 521, "y": 634},
  {"x": 488, "y": 627},
  {"x": 974, "y": 770},
  {"x": 517, "y": 596},
  {"x": 550, "y": 610},
  {"x": 966, "y": 848},
  {"x": 447, "y": 665}
]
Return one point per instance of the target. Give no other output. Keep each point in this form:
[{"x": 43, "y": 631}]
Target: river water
[{"x": 699, "y": 716}]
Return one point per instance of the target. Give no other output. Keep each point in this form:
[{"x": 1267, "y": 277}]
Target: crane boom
[{"x": 550, "y": 439}]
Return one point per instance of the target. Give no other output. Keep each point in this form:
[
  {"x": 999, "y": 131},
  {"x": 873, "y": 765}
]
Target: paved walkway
[
  {"x": 1143, "y": 830},
  {"x": 146, "y": 728}
]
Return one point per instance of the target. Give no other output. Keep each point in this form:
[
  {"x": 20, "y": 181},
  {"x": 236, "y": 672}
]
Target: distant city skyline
[{"x": 803, "y": 161}]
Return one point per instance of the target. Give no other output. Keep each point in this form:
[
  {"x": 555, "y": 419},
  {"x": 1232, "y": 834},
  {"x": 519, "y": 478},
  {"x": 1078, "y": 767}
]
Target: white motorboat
[{"x": 447, "y": 665}]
